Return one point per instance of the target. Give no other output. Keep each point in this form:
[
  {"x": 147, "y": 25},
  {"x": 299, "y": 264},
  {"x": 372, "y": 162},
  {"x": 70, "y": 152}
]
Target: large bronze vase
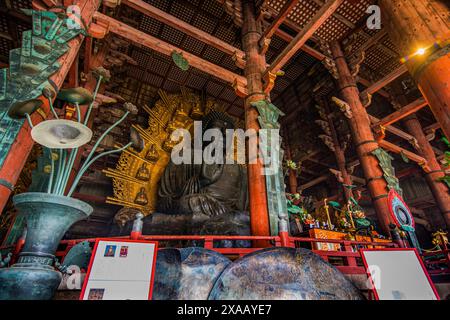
[{"x": 48, "y": 217}]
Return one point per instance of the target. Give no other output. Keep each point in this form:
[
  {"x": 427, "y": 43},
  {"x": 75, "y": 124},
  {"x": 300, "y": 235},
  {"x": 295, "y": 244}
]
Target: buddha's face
[{"x": 220, "y": 124}]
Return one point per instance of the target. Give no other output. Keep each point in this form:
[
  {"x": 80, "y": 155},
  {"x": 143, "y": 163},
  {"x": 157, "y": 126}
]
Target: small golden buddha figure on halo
[
  {"x": 179, "y": 119},
  {"x": 196, "y": 112},
  {"x": 152, "y": 153},
  {"x": 143, "y": 173},
  {"x": 141, "y": 197}
]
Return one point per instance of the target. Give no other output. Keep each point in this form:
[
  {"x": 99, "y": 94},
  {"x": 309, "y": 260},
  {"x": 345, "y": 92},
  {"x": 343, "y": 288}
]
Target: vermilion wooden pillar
[
  {"x": 254, "y": 69},
  {"x": 425, "y": 24},
  {"x": 18, "y": 154},
  {"x": 439, "y": 189},
  {"x": 340, "y": 160},
  {"x": 339, "y": 153},
  {"x": 363, "y": 138}
]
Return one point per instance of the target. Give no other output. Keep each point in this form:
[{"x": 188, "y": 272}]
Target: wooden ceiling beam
[
  {"x": 309, "y": 50},
  {"x": 310, "y": 155},
  {"x": 433, "y": 127},
  {"x": 341, "y": 18},
  {"x": 283, "y": 35},
  {"x": 394, "y": 130},
  {"x": 373, "y": 41},
  {"x": 354, "y": 179},
  {"x": 380, "y": 84},
  {"x": 367, "y": 84},
  {"x": 276, "y": 23},
  {"x": 402, "y": 113},
  {"x": 314, "y": 182},
  {"x": 6, "y": 36},
  {"x": 410, "y": 155},
  {"x": 184, "y": 27},
  {"x": 140, "y": 38},
  {"x": 320, "y": 163},
  {"x": 225, "y": 102},
  {"x": 19, "y": 15},
  {"x": 306, "y": 33}
]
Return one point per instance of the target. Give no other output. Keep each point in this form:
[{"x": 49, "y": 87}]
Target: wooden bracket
[
  {"x": 424, "y": 165},
  {"x": 380, "y": 133},
  {"x": 98, "y": 30},
  {"x": 264, "y": 13},
  {"x": 112, "y": 3},
  {"x": 356, "y": 65},
  {"x": 264, "y": 44},
  {"x": 240, "y": 89},
  {"x": 239, "y": 60},
  {"x": 50, "y": 3},
  {"x": 414, "y": 143},
  {"x": 344, "y": 106},
  {"x": 269, "y": 81},
  {"x": 366, "y": 99}
]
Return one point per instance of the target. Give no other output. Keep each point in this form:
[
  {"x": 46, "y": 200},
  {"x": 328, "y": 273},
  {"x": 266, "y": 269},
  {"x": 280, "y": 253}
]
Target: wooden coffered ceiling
[{"x": 347, "y": 23}]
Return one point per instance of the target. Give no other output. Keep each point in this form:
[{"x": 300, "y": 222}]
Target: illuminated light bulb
[{"x": 421, "y": 51}]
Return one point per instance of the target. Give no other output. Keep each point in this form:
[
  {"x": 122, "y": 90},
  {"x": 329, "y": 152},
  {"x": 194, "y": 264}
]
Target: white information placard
[
  {"x": 120, "y": 269},
  {"x": 398, "y": 274}
]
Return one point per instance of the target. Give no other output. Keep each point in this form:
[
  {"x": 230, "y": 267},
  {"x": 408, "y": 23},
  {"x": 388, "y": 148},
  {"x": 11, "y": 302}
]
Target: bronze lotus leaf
[
  {"x": 48, "y": 92},
  {"x": 131, "y": 108},
  {"x": 104, "y": 73},
  {"x": 136, "y": 139},
  {"x": 19, "y": 109},
  {"x": 61, "y": 134},
  {"x": 75, "y": 95}
]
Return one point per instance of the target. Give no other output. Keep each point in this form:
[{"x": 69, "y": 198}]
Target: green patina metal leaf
[
  {"x": 276, "y": 197},
  {"x": 180, "y": 61},
  {"x": 354, "y": 201},
  {"x": 445, "y": 140},
  {"x": 3, "y": 73},
  {"x": 404, "y": 157},
  {"x": 385, "y": 162},
  {"x": 31, "y": 66},
  {"x": 445, "y": 180},
  {"x": 334, "y": 204}
]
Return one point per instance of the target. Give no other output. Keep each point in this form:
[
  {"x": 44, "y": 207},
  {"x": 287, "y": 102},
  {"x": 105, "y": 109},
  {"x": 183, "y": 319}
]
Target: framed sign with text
[
  {"x": 398, "y": 274},
  {"x": 120, "y": 269}
]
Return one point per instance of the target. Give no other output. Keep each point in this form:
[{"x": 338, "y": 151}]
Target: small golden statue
[
  {"x": 196, "y": 112},
  {"x": 440, "y": 239},
  {"x": 152, "y": 154},
  {"x": 180, "y": 119},
  {"x": 143, "y": 173},
  {"x": 343, "y": 222},
  {"x": 309, "y": 220},
  {"x": 141, "y": 197}
]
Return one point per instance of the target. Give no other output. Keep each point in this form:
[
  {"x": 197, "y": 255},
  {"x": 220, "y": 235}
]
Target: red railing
[
  {"x": 438, "y": 262},
  {"x": 347, "y": 260}
]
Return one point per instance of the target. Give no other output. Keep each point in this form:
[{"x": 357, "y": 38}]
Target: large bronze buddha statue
[{"x": 204, "y": 190}]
